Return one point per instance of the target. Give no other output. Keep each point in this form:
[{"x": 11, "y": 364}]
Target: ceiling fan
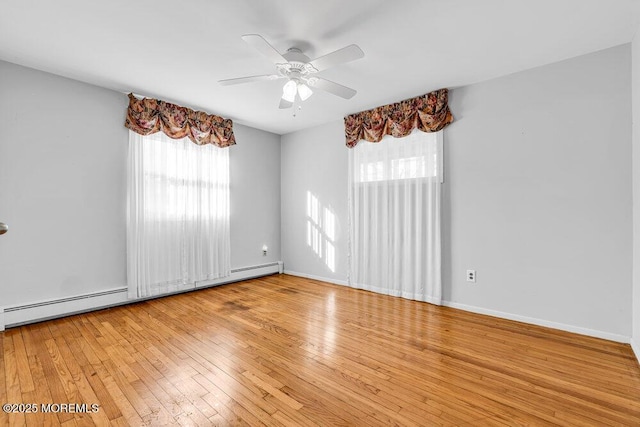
[{"x": 299, "y": 70}]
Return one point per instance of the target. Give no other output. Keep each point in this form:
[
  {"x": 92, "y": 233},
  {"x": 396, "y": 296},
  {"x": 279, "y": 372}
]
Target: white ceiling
[{"x": 178, "y": 50}]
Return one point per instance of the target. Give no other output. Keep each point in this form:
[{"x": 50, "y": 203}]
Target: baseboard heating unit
[{"x": 17, "y": 315}]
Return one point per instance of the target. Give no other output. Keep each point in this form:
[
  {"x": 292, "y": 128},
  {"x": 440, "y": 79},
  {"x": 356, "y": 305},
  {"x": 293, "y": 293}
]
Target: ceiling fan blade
[
  {"x": 262, "y": 46},
  {"x": 249, "y": 79},
  {"x": 334, "y": 88},
  {"x": 340, "y": 56},
  {"x": 284, "y": 104}
]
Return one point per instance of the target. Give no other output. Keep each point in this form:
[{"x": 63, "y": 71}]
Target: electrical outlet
[{"x": 471, "y": 276}]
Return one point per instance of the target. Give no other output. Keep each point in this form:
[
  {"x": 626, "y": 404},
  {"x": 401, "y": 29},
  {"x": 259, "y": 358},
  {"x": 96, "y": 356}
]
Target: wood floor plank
[
  {"x": 40, "y": 395},
  {"x": 39, "y": 333},
  {"x": 73, "y": 363},
  {"x": 14, "y": 395},
  {"x": 230, "y": 410},
  {"x": 288, "y": 351},
  {"x": 100, "y": 393},
  {"x": 4, "y": 417},
  {"x": 24, "y": 373}
]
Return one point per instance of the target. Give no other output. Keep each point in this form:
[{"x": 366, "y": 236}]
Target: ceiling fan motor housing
[{"x": 298, "y": 66}]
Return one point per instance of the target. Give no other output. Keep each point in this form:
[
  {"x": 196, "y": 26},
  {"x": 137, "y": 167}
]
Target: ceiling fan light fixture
[
  {"x": 289, "y": 91},
  {"x": 304, "y": 91}
]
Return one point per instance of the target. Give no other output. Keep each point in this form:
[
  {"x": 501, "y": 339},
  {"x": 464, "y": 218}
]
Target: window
[
  {"x": 418, "y": 155},
  {"x": 394, "y": 216},
  {"x": 178, "y": 214}
]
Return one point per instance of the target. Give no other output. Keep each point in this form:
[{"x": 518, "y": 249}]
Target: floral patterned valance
[
  {"x": 147, "y": 116},
  {"x": 429, "y": 113}
]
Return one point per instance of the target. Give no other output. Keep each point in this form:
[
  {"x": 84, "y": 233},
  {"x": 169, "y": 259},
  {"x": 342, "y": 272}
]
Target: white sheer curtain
[
  {"x": 394, "y": 216},
  {"x": 178, "y": 214}
]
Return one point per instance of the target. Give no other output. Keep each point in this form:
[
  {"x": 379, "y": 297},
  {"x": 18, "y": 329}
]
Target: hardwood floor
[{"x": 282, "y": 350}]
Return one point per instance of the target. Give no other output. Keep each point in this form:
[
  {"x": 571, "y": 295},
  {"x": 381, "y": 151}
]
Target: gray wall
[
  {"x": 537, "y": 194},
  {"x": 635, "y": 83},
  {"x": 255, "y": 197},
  {"x": 63, "y": 193},
  {"x": 314, "y": 161}
]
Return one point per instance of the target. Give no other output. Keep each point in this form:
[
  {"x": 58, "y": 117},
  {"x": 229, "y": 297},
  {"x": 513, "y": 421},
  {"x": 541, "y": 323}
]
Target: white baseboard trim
[
  {"x": 37, "y": 311},
  {"x": 322, "y": 279},
  {"x": 395, "y": 293},
  {"x": 509, "y": 316},
  {"x": 635, "y": 346},
  {"x": 540, "y": 322}
]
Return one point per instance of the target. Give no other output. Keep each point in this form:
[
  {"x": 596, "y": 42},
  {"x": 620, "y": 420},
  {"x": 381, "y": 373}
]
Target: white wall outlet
[
  {"x": 264, "y": 250},
  {"x": 471, "y": 276}
]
